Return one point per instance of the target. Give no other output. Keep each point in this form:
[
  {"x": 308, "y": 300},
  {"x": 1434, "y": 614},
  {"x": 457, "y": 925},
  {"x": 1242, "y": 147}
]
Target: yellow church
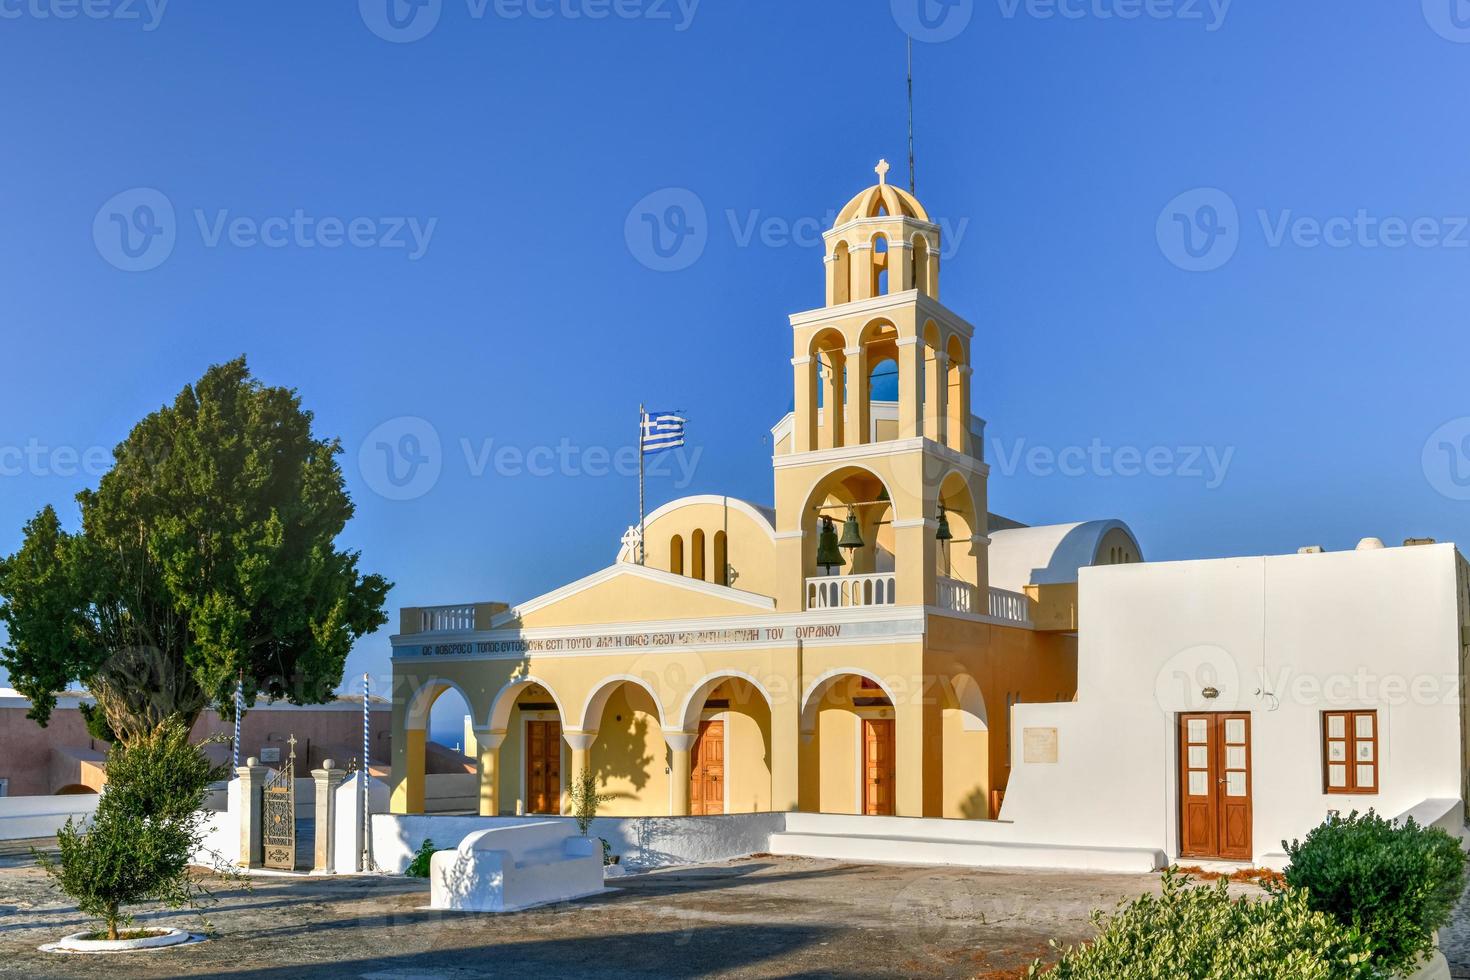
[{"x": 856, "y": 648}]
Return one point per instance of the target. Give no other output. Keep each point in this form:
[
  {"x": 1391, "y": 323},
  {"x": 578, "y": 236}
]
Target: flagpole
[
  {"x": 642, "y": 426},
  {"x": 239, "y": 707}
]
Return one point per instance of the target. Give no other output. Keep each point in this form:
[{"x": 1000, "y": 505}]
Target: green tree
[{"x": 207, "y": 551}]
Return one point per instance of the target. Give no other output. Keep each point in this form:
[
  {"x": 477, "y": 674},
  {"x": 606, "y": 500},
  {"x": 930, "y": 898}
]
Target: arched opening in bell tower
[
  {"x": 880, "y": 265},
  {"x": 841, "y": 272}
]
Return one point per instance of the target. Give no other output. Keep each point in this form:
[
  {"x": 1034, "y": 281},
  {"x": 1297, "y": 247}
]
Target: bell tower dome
[{"x": 882, "y": 242}]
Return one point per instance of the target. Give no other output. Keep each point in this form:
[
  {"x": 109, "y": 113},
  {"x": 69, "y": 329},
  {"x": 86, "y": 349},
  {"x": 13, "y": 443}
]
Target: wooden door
[
  {"x": 543, "y": 767},
  {"x": 878, "y": 769},
  {"x": 1215, "y": 786},
  {"x": 707, "y": 792}
]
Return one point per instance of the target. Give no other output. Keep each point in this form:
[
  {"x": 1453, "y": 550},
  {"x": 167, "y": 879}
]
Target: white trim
[
  {"x": 427, "y": 709},
  {"x": 866, "y": 614},
  {"x": 720, "y": 675},
  {"x": 608, "y": 684},
  {"x": 733, "y": 503},
  {"x": 882, "y": 220},
  {"x": 929, "y": 307},
  {"x": 527, "y": 681},
  {"x": 639, "y": 571},
  {"x": 825, "y": 679},
  {"x": 891, "y": 447}
]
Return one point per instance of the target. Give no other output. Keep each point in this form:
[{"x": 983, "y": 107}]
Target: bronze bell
[
  {"x": 852, "y": 538},
  {"x": 944, "y": 533},
  {"x": 828, "y": 554}
]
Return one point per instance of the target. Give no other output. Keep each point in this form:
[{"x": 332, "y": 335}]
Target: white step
[{"x": 874, "y": 849}]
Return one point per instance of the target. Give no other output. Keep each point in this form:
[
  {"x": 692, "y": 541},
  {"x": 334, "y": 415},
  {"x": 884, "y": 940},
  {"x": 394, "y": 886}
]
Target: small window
[
  {"x": 1350, "y": 752},
  {"x": 4, "y": 787}
]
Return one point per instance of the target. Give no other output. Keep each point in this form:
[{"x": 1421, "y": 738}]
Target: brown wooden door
[
  {"x": 878, "y": 781},
  {"x": 543, "y": 767},
  {"x": 1215, "y": 786},
  {"x": 707, "y": 792}
]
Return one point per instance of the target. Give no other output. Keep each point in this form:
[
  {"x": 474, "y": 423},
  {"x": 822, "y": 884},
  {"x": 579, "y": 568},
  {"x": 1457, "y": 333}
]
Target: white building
[{"x": 1227, "y": 705}]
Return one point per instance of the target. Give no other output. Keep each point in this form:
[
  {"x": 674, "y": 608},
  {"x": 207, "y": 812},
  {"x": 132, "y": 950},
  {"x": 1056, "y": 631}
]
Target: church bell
[
  {"x": 944, "y": 533},
  {"x": 829, "y": 555},
  {"x": 852, "y": 538}
]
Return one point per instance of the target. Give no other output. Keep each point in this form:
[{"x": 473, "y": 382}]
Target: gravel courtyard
[{"x": 760, "y": 917}]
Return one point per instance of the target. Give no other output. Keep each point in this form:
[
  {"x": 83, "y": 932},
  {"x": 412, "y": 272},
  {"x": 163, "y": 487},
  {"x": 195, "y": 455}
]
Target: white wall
[
  {"x": 26, "y": 817},
  {"x": 1361, "y": 629},
  {"x": 642, "y": 842}
]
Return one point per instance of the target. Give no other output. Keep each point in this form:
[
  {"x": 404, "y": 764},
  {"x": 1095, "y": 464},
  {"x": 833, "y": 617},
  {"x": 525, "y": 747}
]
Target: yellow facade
[{"x": 730, "y": 672}]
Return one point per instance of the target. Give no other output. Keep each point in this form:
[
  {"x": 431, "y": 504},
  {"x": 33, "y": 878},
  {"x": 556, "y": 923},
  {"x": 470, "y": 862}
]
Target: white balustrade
[
  {"x": 956, "y": 596},
  {"x": 446, "y": 619},
  {"x": 1013, "y": 606},
  {"x": 850, "y": 591}
]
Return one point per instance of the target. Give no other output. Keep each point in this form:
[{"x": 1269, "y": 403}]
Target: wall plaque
[{"x": 1039, "y": 746}]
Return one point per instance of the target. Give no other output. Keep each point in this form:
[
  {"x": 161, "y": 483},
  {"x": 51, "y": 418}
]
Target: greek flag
[{"x": 661, "y": 431}]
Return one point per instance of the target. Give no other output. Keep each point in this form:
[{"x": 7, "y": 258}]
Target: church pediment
[{"x": 632, "y": 593}]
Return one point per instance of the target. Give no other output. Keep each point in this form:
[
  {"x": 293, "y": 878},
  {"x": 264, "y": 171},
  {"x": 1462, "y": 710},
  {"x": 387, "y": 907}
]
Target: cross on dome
[{"x": 882, "y": 171}]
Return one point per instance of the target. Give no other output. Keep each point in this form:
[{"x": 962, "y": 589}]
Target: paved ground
[{"x": 761, "y": 917}]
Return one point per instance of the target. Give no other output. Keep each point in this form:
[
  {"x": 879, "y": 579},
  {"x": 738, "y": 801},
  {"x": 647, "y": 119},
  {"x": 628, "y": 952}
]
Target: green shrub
[
  {"x": 1395, "y": 884},
  {"x": 1201, "y": 933},
  {"x": 585, "y": 799},
  {"x": 419, "y": 866},
  {"x": 139, "y": 844}
]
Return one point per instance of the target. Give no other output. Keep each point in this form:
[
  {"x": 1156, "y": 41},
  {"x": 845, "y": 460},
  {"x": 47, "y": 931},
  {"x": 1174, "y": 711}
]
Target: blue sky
[{"x": 1232, "y": 236}]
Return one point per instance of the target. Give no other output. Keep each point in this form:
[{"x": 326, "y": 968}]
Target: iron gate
[{"x": 279, "y": 815}]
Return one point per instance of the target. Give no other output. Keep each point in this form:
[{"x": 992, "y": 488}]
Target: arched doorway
[
  {"x": 730, "y": 761},
  {"x": 849, "y": 739},
  {"x": 530, "y": 752}
]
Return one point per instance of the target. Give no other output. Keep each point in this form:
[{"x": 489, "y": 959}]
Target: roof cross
[{"x": 882, "y": 171}]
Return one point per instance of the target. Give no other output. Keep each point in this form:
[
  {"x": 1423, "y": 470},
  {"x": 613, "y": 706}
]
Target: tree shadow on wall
[
  {"x": 975, "y": 806},
  {"x": 622, "y": 754}
]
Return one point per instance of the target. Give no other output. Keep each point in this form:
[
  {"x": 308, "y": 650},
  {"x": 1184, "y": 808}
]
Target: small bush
[
  {"x": 419, "y": 866},
  {"x": 1395, "y": 884},
  {"x": 139, "y": 844},
  {"x": 1201, "y": 933},
  {"x": 585, "y": 799}
]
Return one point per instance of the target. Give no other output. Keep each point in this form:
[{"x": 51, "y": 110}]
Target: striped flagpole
[
  {"x": 642, "y": 429},
  {"x": 366, "y": 775},
  {"x": 239, "y": 710}
]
